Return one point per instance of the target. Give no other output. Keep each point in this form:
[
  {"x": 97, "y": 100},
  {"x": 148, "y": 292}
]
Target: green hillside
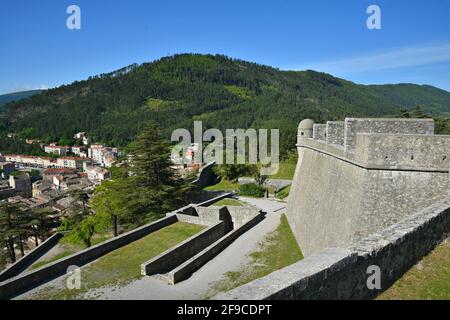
[
  {"x": 222, "y": 92},
  {"x": 6, "y": 98}
]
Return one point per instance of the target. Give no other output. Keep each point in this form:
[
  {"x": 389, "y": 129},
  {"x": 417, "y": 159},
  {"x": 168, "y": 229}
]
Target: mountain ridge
[
  {"x": 222, "y": 92},
  {"x": 15, "y": 96}
]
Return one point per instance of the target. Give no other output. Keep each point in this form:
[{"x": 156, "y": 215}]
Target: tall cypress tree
[{"x": 150, "y": 165}]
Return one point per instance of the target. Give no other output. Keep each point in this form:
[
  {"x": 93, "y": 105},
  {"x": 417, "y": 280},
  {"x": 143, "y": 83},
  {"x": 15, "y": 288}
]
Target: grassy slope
[
  {"x": 228, "y": 202},
  {"x": 122, "y": 265},
  {"x": 429, "y": 279},
  {"x": 223, "y": 185},
  {"x": 279, "y": 249},
  {"x": 68, "y": 248},
  {"x": 283, "y": 193}
]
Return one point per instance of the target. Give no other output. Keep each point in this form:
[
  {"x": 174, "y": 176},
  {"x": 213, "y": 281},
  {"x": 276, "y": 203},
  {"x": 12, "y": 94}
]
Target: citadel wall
[
  {"x": 378, "y": 174},
  {"x": 342, "y": 273}
]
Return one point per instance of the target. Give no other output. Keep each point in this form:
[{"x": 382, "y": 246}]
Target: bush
[{"x": 251, "y": 190}]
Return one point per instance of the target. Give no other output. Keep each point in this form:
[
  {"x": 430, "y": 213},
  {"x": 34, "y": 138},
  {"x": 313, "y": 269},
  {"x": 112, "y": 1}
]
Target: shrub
[{"x": 252, "y": 190}]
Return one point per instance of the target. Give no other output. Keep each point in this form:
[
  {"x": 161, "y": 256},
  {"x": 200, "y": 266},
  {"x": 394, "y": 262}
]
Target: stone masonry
[{"x": 362, "y": 176}]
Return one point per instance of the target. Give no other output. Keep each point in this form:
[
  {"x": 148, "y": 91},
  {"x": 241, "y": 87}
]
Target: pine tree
[{"x": 151, "y": 166}]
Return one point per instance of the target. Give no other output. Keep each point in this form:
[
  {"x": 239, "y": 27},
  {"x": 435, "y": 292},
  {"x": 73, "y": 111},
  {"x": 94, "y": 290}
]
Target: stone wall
[
  {"x": 186, "y": 269},
  {"x": 241, "y": 215},
  {"x": 342, "y": 273},
  {"x": 320, "y": 131},
  {"x": 339, "y": 196},
  {"x": 324, "y": 200},
  {"x": 25, "y": 262},
  {"x": 403, "y": 152},
  {"x": 175, "y": 256},
  {"x": 335, "y": 202},
  {"x": 353, "y": 126},
  {"x": 206, "y": 176},
  {"x": 335, "y": 132}
]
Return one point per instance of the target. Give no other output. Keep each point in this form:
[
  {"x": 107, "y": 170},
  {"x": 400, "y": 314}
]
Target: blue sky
[{"x": 37, "y": 50}]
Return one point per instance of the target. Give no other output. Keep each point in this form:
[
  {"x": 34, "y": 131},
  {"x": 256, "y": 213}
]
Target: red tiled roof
[
  {"x": 27, "y": 156},
  {"x": 56, "y": 171}
]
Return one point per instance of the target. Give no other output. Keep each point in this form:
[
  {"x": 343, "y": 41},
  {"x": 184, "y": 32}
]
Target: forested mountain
[
  {"x": 6, "y": 98},
  {"x": 222, "y": 92}
]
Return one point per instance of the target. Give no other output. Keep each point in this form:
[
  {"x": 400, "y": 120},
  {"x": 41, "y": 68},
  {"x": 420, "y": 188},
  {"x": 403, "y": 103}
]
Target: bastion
[{"x": 359, "y": 176}]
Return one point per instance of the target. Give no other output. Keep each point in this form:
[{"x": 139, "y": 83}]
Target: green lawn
[
  {"x": 56, "y": 257},
  {"x": 279, "y": 249},
  {"x": 428, "y": 280},
  {"x": 229, "y": 202},
  {"x": 223, "y": 185},
  {"x": 122, "y": 266},
  {"x": 68, "y": 248},
  {"x": 286, "y": 171}
]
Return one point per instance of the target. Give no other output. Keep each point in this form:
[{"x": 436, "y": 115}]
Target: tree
[
  {"x": 109, "y": 201},
  {"x": 85, "y": 230},
  {"x": 151, "y": 166},
  {"x": 260, "y": 179},
  {"x": 41, "y": 224},
  {"x": 10, "y": 227}
]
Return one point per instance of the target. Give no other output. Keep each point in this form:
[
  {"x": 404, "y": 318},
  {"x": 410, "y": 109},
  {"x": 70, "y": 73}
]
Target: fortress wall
[
  {"x": 393, "y": 126},
  {"x": 335, "y": 201},
  {"x": 324, "y": 200},
  {"x": 335, "y": 132},
  {"x": 320, "y": 131},
  {"x": 390, "y": 196},
  {"x": 407, "y": 152},
  {"x": 342, "y": 273}
]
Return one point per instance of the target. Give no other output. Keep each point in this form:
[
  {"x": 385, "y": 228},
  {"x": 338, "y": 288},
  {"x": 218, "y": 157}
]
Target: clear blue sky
[{"x": 37, "y": 50}]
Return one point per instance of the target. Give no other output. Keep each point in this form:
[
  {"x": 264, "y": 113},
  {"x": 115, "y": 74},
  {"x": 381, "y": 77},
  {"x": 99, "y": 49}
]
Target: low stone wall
[
  {"x": 186, "y": 269},
  {"x": 14, "y": 286},
  {"x": 206, "y": 216},
  {"x": 241, "y": 215},
  {"x": 206, "y": 176},
  {"x": 214, "y": 200},
  {"x": 337, "y": 273},
  {"x": 25, "y": 262},
  {"x": 175, "y": 256}
]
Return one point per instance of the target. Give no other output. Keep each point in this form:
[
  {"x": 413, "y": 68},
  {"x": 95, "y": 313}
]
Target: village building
[
  {"x": 76, "y": 163},
  {"x": 58, "y": 150},
  {"x": 103, "y": 156}
]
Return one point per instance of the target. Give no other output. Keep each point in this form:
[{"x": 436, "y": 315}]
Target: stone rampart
[{"x": 342, "y": 273}]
